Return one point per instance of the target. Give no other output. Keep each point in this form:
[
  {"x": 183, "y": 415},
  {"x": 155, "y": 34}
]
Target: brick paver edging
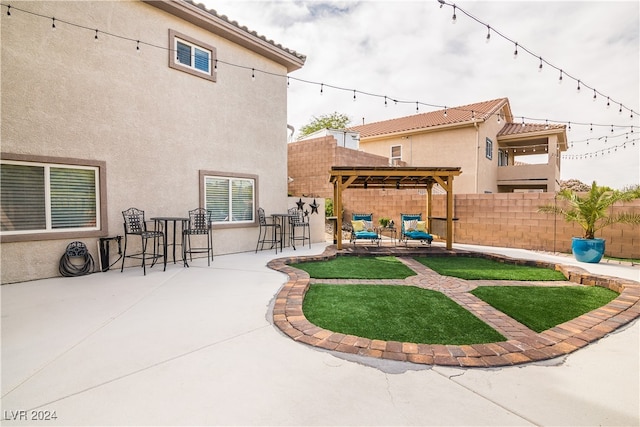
[{"x": 560, "y": 340}]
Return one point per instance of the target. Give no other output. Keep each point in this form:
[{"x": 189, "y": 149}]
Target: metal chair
[
  {"x": 199, "y": 224},
  {"x": 297, "y": 222},
  {"x": 135, "y": 225},
  {"x": 268, "y": 228}
]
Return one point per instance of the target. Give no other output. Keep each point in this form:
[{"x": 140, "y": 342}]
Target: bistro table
[
  {"x": 165, "y": 220},
  {"x": 392, "y": 233},
  {"x": 283, "y": 220}
]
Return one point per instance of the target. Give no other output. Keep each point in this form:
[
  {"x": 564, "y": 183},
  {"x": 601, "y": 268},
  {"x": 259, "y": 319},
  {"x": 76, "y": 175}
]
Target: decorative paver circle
[{"x": 522, "y": 346}]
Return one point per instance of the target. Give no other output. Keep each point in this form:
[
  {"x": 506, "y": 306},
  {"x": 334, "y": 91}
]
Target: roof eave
[
  {"x": 229, "y": 31},
  {"x": 417, "y": 131}
]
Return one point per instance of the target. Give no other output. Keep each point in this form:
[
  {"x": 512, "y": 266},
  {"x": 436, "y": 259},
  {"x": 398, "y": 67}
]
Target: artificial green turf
[
  {"x": 470, "y": 268},
  {"x": 542, "y": 308},
  {"x": 352, "y": 267},
  {"x": 394, "y": 313}
]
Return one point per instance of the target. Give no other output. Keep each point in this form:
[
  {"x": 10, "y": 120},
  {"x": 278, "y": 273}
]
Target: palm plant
[{"x": 593, "y": 210}]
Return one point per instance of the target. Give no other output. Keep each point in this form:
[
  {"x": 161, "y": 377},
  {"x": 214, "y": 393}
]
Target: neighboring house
[
  {"x": 156, "y": 109},
  {"x": 481, "y": 138},
  {"x": 343, "y": 137}
]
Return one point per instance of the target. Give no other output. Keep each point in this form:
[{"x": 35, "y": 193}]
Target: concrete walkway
[{"x": 197, "y": 346}]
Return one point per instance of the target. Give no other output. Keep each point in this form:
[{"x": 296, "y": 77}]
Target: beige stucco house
[
  {"x": 160, "y": 105},
  {"x": 481, "y": 138}
]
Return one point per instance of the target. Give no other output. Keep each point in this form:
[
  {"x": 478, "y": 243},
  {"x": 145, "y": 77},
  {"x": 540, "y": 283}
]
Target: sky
[{"x": 412, "y": 51}]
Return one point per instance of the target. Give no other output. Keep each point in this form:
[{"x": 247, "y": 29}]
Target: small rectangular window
[
  {"x": 396, "y": 154},
  {"x": 489, "y": 149},
  {"x": 191, "y": 56}
]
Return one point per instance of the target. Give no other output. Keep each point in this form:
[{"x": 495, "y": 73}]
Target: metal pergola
[{"x": 398, "y": 177}]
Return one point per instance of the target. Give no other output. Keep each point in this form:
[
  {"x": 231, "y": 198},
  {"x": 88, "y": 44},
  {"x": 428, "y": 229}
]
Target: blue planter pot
[{"x": 587, "y": 250}]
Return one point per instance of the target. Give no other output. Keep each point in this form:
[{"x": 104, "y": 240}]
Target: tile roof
[
  {"x": 465, "y": 113},
  {"x": 519, "y": 129},
  {"x": 245, "y": 29}
]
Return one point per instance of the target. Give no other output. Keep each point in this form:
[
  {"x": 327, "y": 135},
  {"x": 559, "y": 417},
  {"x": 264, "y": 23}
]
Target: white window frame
[
  {"x": 190, "y": 68},
  {"x": 47, "y": 195},
  {"x": 229, "y": 221},
  {"x": 392, "y": 157}
]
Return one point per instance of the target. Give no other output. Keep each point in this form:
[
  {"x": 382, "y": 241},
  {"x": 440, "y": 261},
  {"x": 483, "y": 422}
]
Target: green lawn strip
[
  {"x": 394, "y": 313},
  {"x": 470, "y": 268},
  {"x": 353, "y": 267},
  {"x": 542, "y": 308}
]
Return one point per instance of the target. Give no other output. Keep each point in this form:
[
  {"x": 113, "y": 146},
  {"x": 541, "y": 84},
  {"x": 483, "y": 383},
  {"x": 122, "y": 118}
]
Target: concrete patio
[{"x": 197, "y": 346}]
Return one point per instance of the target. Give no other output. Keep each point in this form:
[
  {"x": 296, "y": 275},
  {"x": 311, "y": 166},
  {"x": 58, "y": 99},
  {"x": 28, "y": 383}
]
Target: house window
[
  {"x": 489, "y": 149},
  {"x": 48, "y": 198},
  {"x": 503, "y": 157},
  {"x": 229, "y": 199},
  {"x": 396, "y": 154},
  {"x": 191, "y": 56}
]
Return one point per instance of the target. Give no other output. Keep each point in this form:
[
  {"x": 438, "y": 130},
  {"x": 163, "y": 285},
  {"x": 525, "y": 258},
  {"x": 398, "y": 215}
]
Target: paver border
[{"x": 558, "y": 341}]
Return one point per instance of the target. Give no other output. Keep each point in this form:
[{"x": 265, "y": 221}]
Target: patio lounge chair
[
  {"x": 414, "y": 228},
  {"x": 362, "y": 229}
]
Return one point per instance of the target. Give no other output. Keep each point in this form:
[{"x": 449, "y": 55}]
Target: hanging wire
[{"x": 355, "y": 91}]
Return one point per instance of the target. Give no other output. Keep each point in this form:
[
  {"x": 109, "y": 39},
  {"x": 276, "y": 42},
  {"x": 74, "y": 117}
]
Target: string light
[
  {"x": 560, "y": 79},
  {"x": 488, "y": 33},
  {"x": 396, "y": 101},
  {"x": 515, "y": 53},
  {"x": 453, "y": 18},
  {"x": 594, "y": 95},
  {"x": 53, "y": 24},
  {"x": 253, "y": 74},
  {"x": 321, "y": 88}
]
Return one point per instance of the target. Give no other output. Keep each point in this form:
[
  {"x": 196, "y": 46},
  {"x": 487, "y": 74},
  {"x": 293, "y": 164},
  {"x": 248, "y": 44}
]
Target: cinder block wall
[
  {"x": 503, "y": 219},
  {"x": 310, "y": 162}
]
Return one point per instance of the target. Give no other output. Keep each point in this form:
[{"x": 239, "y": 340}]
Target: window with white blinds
[
  {"x": 192, "y": 56},
  {"x": 41, "y": 198},
  {"x": 230, "y": 199}
]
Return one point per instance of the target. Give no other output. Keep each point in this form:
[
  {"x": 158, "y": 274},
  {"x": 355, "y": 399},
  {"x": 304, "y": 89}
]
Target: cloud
[{"x": 410, "y": 50}]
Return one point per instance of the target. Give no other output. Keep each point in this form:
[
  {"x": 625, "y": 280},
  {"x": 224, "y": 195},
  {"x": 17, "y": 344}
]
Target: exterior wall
[
  {"x": 504, "y": 220},
  {"x": 487, "y": 168},
  {"x": 65, "y": 94},
  {"x": 310, "y": 162},
  {"x": 445, "y": 148}
]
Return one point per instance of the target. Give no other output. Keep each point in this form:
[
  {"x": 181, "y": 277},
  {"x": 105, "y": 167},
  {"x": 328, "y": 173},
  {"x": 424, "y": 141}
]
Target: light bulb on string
[
  {"x": 354, "y": 95},
  {"x": 138, "y": 46},
  {"x": 546, "y": 124},
  {"x": 253, "y": 74},
  {"x": 488, "y": 34},
  {"x": 321, "y": 88},
  {"x": 594, "y": 95},
  {"x": 53, "y": 24},
  {"x": 522, "y": 121},
  {"x": 385, "y": 98},
  {"x": 215, "y": 67},
  {"x": 578, "y": 89},
  {"x": 540, "y": 66},
  {"x": 560, "y": 79},
  {"x": 608, "y": 103},
  {"x": 620, "y": 110},
  {"x": 445, "y": 111},
  {"x": 96, "y": 36},
  {"x": 515, "y": 52},
  {"x": 453, "y": 18},
  {"x": 569, "y": 126},
  {"x": 9, "y": 10},
  {"x": 417, "y": 108}
]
